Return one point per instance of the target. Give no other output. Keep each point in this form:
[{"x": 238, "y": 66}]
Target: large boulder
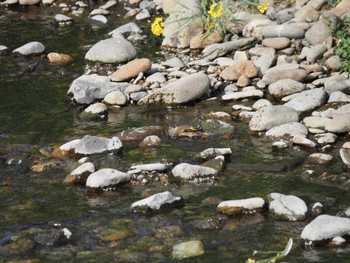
[
  {"x": 111, "y": 50},
  {"x": 272, "y": 116},
  {"x": 87, "y": 88},
  {"x": 184, "y": 90}
]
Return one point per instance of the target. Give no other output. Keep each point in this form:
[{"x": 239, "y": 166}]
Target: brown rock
[
  {"x": 247, "y": 68},
  {"x": 341, "y": 8},
  {"x": 131, "y": 69},
  {"x": 200, "y": 42},
  {"x": 230, "y": 74},
  {"x": 58, "y": 58},
  {"x": 40, "y": 167},
  {"x": 243, "y": 81},
  {"x": 150, "y": 141},
  {"x": 276, "y": 42},
  {"x": 132, "y": 13}
]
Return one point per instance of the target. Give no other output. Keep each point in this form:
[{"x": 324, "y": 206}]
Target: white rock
[
  {"x": 280, "y": 144},
  {"x": 96, "y": 108},
  {"x": 243, "y": 95},
  {"x": 285, "y": 87},
  {"x": 308, "y": 100},
  {"x": 93, "y": 144},
  {"x": 30, "y": 48},
  {"x": 70, "y": 146},
  {"x": 107, "y": 177},
  {"x": 287, "y": 207},
  {"x": 320, "y": 158},
  {"x": 325, "y": 138},
  {"x": 338, "y": 96},
  {"x": 214, "y": 152},
  {"x": 300, "y": 140},
  {"x": 288, "y": 129},
  {"x": 326, "y": 227},
  {"x": 159, "y": 167},
  {"x": 100, "y": 18},
  {"x": 261, "y": 103},
  {"x": 249, "y": 205},
  {"x": 190, "y": 171},
  {"x": 85, "y": 167},
  {"x": 156, "y": 201}
]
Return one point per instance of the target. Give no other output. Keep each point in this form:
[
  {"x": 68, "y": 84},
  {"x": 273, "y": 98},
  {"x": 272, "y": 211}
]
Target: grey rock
[
  {"x": 271, "y": 116},
  {"x": 288, "y": 129},
  {"x": 188, "y": 249},
  {"x": 263, "y": 58},
  {"x": 115, "y": 98},
  {"x": 157, "y": 202},
  {"x": 308, "y": 13},
  {"x": 156, "y": 77},
  {"x": 326, "y": 138},
  {"x": 261, "y": 103},
  {"x": 31, "y": 48},
  {"x": 96, "y": 108},
  {"x": 308, "y": 100},
  {"x": 320, "y": 158},
  {"x": 174, "y": 62},
  {"x": 219, "y": 50},
  {"x": 285, "y": 87},
  {"x": 338, "y": 96},
  {"x": 243, "y": 95},
  {"x": 317, "y": 4},
  {"x": 302, "y": 141},
  {"x": 216, "y": 127},
  {"x": 192, "y": 172},
  {"x": 99, "y": 11},
  {"x": 284, "y": 71},
  {"x": 80, "y": 174},
  {"x": 316, "y": 122},
  {"x": 333, "y": 63},
  {"x": 111, "y": 50},
  {"x": 186, "y": 89},
  {"x": 158, "y": 167},
  {"x": 286, "y": 30},
  {"x": 337, "y": 83},
  {"x": 288, "y": 207},
  {"x": 88, "y": 88},
  {"x": 144, "y": 14},
  {"x": 330, "y": 20},
  {"x": 318, "y": 33},
  {"x": 93, "y": 145},
  {"x": 214, "y": 152},
  {"x": 129, "y": 28},
  {"x": 136, "y": 96},
  {"x": 325, "y": 227},
  {"x": 255, "y": 26},
  {"x": 316, "y": 52},
  {"x": 107, "y": 177}
]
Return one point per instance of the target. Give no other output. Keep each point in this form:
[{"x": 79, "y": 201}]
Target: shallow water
[{"x": 35, "y": 205}]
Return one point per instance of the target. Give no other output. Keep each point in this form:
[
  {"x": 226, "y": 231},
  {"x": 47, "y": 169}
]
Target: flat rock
[
  {"x": 29, "y": 2},
  {"x": 186, "y": 89},
  {"x": 340, "y": 124},
  {"x": 174, "y": 62},
  {"x": 308, "y": 100},
  {"x": 111, "y": 50},
  {"x": 31, "y": 48},
  {"x": 320, "y": 158},
  {"x": 192, "y": 172},
  {"x": 316, "y": 52},
  {"x": 286, "y": 30},
  {"x": 271, "y": 116},
  {"x": 325, "y": 227},
  {"x": 288, "y": 129},
  {"x": 158, "y": 201},
  {"x": 188, "y": 249},
  {"x": 107, "y": 177},
  {"x": 131, "y": 69},
  {"x": 285, "y": 87},
  {"x": 100, "y": 18},
  {"x": 338, "y": 96},
  {"x": 243, "y": 206},
  {"x": 214, "y": 152},
  {"x": 159, "y": 167},
  {"x": 243, "y": 95},
  {"x": 318, "y": 33},
  {"x": 96, "y": 108},
  {"x": 80, "y": 174},
  {"x": 88, "y": 88},
  {"x": 264, "y": 58},
  {"x": 301, "y": 140},
  {"x": 288, "y": 207},
  {"x": 337, "y": 83},
  {"x": 128, "y": 28},
  {"x": 255, "y": 26},
  {"x": 288, "y": 71},
  {"x": 276, "y": 42}
]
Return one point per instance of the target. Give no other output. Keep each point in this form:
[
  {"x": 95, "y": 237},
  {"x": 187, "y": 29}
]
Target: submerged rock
[
  {"x": 106, "y": 178},
  {"x": 111, "y": 50},
  {"x": 156, "y": 202},
  {"x": 325, "y": 227},
  {"x": 184, "y": 90},
  {"x": 243, "y": 206},
  {"x": 188, "y": 249},
  {"x": 287, "y": 207}
]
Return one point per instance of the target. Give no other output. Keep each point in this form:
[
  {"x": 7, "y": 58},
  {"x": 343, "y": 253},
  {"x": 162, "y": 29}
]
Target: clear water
[{"x": 34, "y": 114}]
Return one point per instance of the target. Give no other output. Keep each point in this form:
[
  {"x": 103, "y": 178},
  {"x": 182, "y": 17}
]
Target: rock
[
  {"x": 63, "y": 20},
  {"x": 286, "y": 30},
  {"x": 158, "y": 167},
  {"x": 31, "y": 48},
  {"x": 47, "y": 165},
  {"x": 80, "y": 174},
  {"x": 325, "y": 227},
  {"x": 337, "y": 242},
  {"x": 138, "y": 134},
  {"x": 264, "y": 58},
  {"x": 216, "y": 127},
  {"x": 198, "y": 42},
  {"x": 174, "y": 62},
  {"x": 341, "y": 8},
  {"x": 288, "y": 207},
  {"x": 95, "y": 109},
  {"x": 111, "y": 50},
  {"x": 337, "y": 83},
  {"x": 271, "y": 116},
  {"x": 129, "y": 28},
  {"x": 288, "y": 129},
  {"x": 99, "y": 11},
  {"x": 132, "y": 69},
  {"x": 58, "y": 58},
  {"x": 109, "y": 4},
  {"x": 243, "y": 81},
  {"x": 160, "y": 201},
  {"x": 344, "y": 213},
  {"x": 338, "y": 96},
  {"x": 317, "y": 4},
  {"x": 308, "y": 100},
  {"x": 340, "y": 124},
  {"x": 261, "y": 103},
  {"x": 247, "y": 68},
  {"x": 318, "y": 33},
  {"x": 89, "y": 88},
  {"x": 29, "y": 2},
  {"x": 229, "y": 74},
  {"x": 285, "y": 87},
  {"x": 316, "y": 122},
  {"x": 255, "y": 26},
  {"x": 3, "y": 50},
  {"x": 288, "y": 71},
  {"x": 93, "y": 145},
  {"x": 333, "y": 63},
  {"x": 326, "y": 138},
  {"x": 100, "y": 18},
  {"x": 218, "y": 163},
  {"x": 156, "y": 77},
  {"x": 243, "y": 95},
  {"x": 320, "y": 158},
  {"x": 193, "y": 172},
  {"x": 300, "y": 140},
  {"x": 116, "y": 98},
  {"x": 214, "y": 152},
  {"x": 188, "y": 249},
  {"x": 316, "y": 52},
  {"x": 243, "y": 206},
  {"x": 186, "y": 89},
  {"x": 276, "y": 42},
  {"x": 107, "y": 178},
  {"x": 220, "y": 50},
  {"x": 143, "y": 14},
  {"x": 150, "y": 141},
  {"x": 308, "y": 13},
  {"x": 345, "y": 153},
  {"x": 116, "y": 235}
]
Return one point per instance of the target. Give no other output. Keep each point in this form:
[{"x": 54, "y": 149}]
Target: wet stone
[
  {"x": 107, "y": 178},
  {"x": 188, "y": 249},
  {"x": 243, "y": 206}
]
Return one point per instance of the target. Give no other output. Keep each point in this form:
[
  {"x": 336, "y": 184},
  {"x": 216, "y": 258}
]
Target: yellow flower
[
  {"x": 158, "y": 26},
  {"x": 264, "y": 7},
  {"x": 215, "y": 11}
]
